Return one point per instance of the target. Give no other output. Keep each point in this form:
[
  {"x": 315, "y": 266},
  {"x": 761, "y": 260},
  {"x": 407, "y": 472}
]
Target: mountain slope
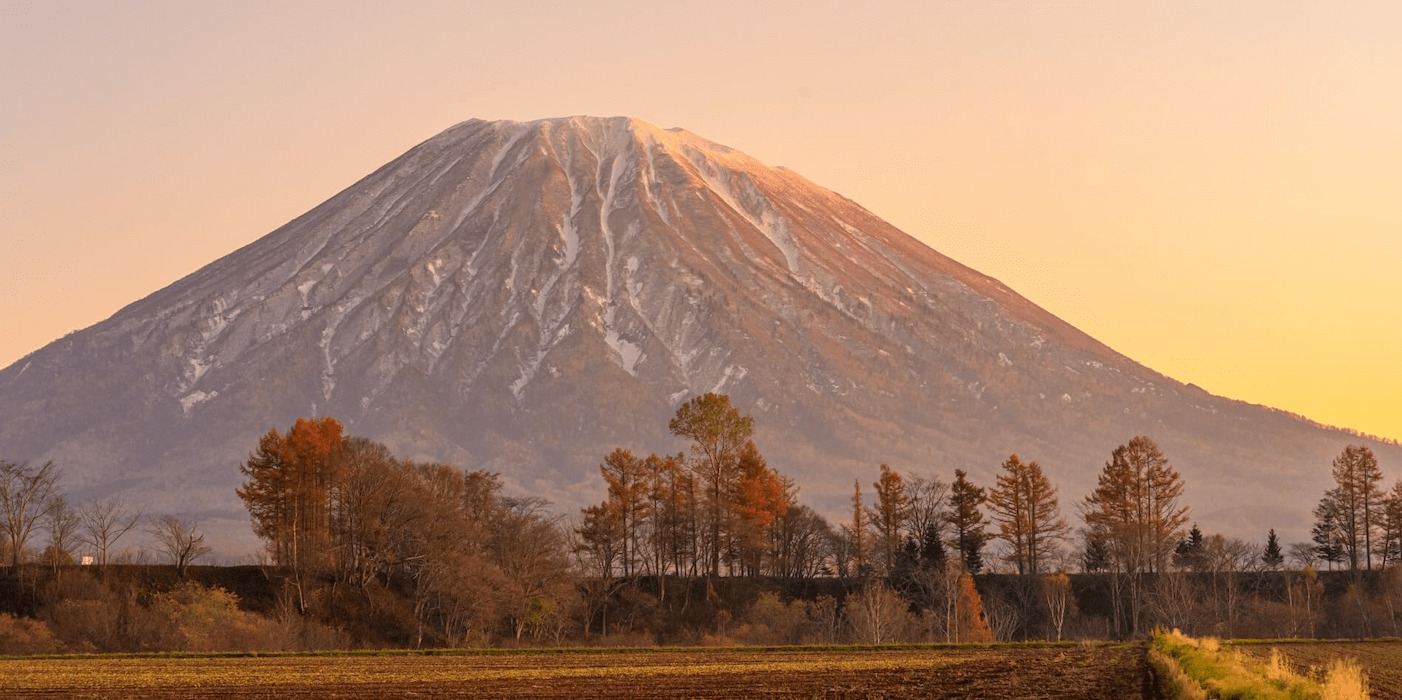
[{"x": 523, "y": 297}]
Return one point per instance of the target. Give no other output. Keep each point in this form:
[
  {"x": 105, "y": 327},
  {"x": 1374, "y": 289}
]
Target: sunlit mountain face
[{"x": 523, "y": 297}]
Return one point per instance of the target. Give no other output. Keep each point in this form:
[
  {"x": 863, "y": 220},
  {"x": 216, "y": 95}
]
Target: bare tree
[
  {"x": 928, "y": 496},
  {"x": 1302, "y": 554},
  {"x": 180, "y": 540},
  {"x": 876, "y": 614},
  {"x": 1056, "y": 589},
  {"x": 62, "y": 524},
  {"x": 26, "y": 492},
  {"x": 103, "y": 523},
  {"x": 528, "y": 548}
]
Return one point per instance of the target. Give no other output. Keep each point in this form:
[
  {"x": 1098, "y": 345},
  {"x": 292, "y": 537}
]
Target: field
[
  {"x": 1381, "y": 659},
  {"x": 1001, "y": 671}
]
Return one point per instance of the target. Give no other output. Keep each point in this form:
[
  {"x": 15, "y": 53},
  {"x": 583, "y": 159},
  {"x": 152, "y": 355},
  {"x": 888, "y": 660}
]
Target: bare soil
[
  {"x": 1380, "y": 659},
  {"x": 1038, "y": 672}
]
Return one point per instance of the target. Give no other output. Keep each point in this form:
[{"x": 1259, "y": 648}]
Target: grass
[
  {"x": 1381, "y": 660},
  {"x": 1201, "y": 668}
]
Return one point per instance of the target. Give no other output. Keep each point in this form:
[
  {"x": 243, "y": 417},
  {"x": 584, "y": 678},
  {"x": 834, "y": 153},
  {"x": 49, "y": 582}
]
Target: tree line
[
  {"x": 32, "y": 504},
  {"x": 712, "y": 544}
]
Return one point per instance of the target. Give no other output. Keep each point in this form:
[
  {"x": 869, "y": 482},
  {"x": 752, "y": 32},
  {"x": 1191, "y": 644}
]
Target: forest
[{"x": 710, "y": 546}]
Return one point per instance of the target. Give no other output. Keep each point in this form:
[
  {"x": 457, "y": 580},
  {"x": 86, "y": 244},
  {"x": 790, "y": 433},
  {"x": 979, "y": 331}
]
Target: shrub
[
  {"x": 86, "y": 625},
  {"x": 877, "y": 615},
  {"x": 22, "y": 635}
]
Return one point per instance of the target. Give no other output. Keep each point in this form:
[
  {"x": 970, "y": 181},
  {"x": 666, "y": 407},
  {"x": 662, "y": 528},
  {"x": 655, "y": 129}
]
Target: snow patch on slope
[{"x": 758, "y": 213}]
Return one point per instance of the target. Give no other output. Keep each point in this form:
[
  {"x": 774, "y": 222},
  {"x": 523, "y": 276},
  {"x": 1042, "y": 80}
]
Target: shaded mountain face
[{"x": 523, "y": 297}]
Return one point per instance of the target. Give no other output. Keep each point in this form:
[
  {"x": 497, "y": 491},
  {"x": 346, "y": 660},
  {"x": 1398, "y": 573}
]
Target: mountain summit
[{"x": 522, "y": 297}]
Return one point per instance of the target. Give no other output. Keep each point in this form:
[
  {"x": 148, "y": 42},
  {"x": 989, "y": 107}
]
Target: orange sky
[{"x": 1211, "y": 189}]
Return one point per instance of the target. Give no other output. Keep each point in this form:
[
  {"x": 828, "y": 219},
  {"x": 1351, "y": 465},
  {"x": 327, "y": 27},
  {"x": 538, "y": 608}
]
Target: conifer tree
[
  {"x": 1391, "y": 549},
  {"x": 932, "y": 554},
  {"x": 1096, "y": 556},
  {"x": 972, "y": 623},
  {"x": 627, "y": 504},
  {"x": 1325, "y": 533},
  {"x": 967, "y": 520},
  {"x": 1189, "y": 553},
  {"x": 291, "y": 481},
  {"x": 857, "y": 532},
  {"x": 1272, "y": 557}
]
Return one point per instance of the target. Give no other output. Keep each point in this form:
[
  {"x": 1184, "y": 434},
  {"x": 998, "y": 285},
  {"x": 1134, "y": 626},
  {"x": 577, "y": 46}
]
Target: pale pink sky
[{"x": 1210, "y": 188}]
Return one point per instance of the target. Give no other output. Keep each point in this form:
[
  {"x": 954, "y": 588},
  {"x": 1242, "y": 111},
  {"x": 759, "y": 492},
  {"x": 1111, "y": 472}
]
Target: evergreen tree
[
  {"x": 1189, "y": 553},
  {"x": 905, "y": 568},
  {"x": 967, "y": 520},
  {"x": 932, "y": 554},
  {"x": 1097, "y": 554},
  {"x": 1272, "y": 557},
  {"x": 1325, "y": 534}
]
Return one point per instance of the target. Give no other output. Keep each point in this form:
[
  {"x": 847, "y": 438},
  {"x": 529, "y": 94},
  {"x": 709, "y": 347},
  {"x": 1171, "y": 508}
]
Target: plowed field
[
  {"x": 1090, "y": 671},
  {"x": 1382, "y": 660}
]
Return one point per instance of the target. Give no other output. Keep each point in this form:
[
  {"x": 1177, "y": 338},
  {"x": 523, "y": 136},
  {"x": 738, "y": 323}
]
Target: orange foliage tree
[
  {"x": 971, "y": 624},
  {"x": 290, "y": 480}
]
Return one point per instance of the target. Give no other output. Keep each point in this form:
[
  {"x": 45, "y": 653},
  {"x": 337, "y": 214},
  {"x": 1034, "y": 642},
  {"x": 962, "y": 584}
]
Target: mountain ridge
[{"x": 522, "y": 296}]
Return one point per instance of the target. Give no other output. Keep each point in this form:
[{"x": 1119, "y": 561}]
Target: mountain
[{"x": 523, "y": 297}]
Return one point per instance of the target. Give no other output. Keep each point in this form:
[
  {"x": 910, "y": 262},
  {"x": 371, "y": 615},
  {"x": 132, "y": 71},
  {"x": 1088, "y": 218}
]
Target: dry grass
[
  {"x": 1345, "y": 680},
  {"x": 1201, "y": 668},
  {"x": 1359, "y": 669},
  {"x": 1175, "y": 682}
]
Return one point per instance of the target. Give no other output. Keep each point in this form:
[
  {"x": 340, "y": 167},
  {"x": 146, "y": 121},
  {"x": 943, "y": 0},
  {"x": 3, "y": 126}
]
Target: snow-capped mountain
[{"x": 522, "y": 297}]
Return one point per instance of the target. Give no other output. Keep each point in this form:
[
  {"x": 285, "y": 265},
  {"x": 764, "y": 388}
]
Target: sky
[{"x": 1211, "y": 189}]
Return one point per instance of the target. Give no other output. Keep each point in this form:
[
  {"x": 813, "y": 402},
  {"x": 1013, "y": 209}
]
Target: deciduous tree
[
  {"x": 26, "y": 493},
  {"x": 628, "y": 486},
  {"x": 62, "y": 525},
  {"x": 1134, "y": 510},
  {"x": 290, "y": 481},
  {"x": 103, "y": 523},
  {"x": 889, "y": 517},
  {"x": 180, "y": 540},
  {"x": 1355, "y": 504},
  {"x": 718, "y": 434},
  {"x": 1024, "y": 505}
]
